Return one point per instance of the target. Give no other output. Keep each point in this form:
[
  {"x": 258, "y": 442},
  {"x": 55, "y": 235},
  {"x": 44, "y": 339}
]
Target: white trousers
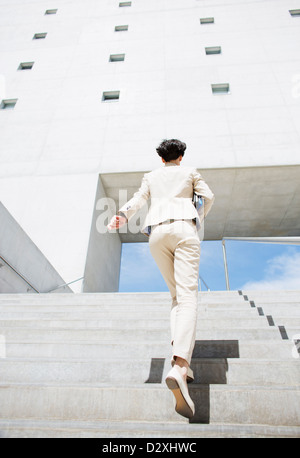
[{"x": 176, "y": 249}]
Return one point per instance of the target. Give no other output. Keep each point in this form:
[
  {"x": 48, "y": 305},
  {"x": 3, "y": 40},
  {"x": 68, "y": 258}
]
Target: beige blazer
[{"x": 171, "y": 189}]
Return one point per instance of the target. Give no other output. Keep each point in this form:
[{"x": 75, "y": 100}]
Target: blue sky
[{"x": 251, "y": 266}]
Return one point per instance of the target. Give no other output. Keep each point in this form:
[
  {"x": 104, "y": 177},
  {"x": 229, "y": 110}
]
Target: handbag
[{"x": 198, "y": 202}]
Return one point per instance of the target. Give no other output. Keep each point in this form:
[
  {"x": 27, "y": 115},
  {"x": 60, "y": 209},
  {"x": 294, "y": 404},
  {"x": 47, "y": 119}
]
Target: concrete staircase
[{"x": 93, "y": 365}]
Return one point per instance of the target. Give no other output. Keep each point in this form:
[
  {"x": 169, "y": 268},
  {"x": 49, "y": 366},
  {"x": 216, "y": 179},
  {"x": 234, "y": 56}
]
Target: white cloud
[{"x": 282, "y": 272}]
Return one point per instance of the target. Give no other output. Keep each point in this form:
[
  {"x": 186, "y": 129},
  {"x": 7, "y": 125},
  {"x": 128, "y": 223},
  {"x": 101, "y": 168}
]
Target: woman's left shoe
[
  {"x": 190, "y": 373},
  {"x": 184, "y": 404}
]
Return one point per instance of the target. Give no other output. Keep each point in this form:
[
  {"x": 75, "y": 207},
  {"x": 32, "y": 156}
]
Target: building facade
[{"x": 88, "y": 89}]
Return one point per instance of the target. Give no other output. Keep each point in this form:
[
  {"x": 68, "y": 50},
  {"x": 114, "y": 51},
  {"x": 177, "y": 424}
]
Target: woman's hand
[{"x": 116, "y": 222}]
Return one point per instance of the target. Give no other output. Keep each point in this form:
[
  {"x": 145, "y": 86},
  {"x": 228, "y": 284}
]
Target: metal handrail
[
  {"x": 279, "y": 240},
  {"x": 64, "y": 284},
  {"x": 225, "y": 265},
  {"x": 29, "y": 284},
  {"x": 201, "y": 279},
  {"x": 20, "y": 275}
]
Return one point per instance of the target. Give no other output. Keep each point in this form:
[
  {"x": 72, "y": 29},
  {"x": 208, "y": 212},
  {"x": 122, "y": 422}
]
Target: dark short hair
[{"x": 170, "y": 150}]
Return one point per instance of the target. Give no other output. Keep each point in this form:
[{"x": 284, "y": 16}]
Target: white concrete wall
[
  {"x": 102, "y": 269},
  {"x": 61, "y": 135},
  {"x": 23, "y": 268}
]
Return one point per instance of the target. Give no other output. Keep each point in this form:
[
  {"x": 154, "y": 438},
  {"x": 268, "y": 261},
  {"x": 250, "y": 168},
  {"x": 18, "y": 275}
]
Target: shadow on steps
[{"x": 210, "y": 366}]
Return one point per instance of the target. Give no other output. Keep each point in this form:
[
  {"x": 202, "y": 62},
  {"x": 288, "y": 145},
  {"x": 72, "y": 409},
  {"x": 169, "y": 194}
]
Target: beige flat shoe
[{"x": 184, "y": 404}]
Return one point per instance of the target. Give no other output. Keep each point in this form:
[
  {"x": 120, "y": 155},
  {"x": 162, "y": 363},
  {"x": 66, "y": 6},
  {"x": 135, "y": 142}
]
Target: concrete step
[
  {"x": 286, "y": 315},
  {"x": 276, "y": 308},
  {"x": 113, "y": 429},
  {"x": 273, "y": 296},
  {"x": 101, "y": 359},
  {"x": 266, "y": 405},
  {"x": 120, "y": 298},
  {"x": 120, "y": 371},
  {"x": 253, "y": 349},
  {"x": 109, "y": 302},
  {"x": 149, "y": 323},
  {"x": 130, "y": 429},
  {"x": 17, "y": 334},
  {"x": 114, "y": 307},
  {"x": 113, "y": 314},
  {"x": 283, "y": 310},
  {"x": 241, "y": 310},
  {"x": 280, "y": 308},
  {"x": 125, "y": 299}
]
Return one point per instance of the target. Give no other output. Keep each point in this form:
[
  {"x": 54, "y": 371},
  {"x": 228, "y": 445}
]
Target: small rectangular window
[
  {"x": 121, "y": 4},
  {"x": 220, "y": 88},
  {"x": 8, "y": 104},
  {"x": 40, "y": 36},
  {"x": 51, "y": 11},
  {"x": 294, "y": 12},
  {"x": 26, "y": 65},
  {"x": 116, "y": 57},
  {"x": 207, "y": 20},
  {"x": 110, "y": 95},
  {"x": 121, "y": 28},
  {"x": 213, "y": 50}
]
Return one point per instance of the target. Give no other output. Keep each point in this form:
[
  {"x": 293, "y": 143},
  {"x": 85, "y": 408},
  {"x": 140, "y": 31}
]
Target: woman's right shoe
[{"x": 184, "y": 404}]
